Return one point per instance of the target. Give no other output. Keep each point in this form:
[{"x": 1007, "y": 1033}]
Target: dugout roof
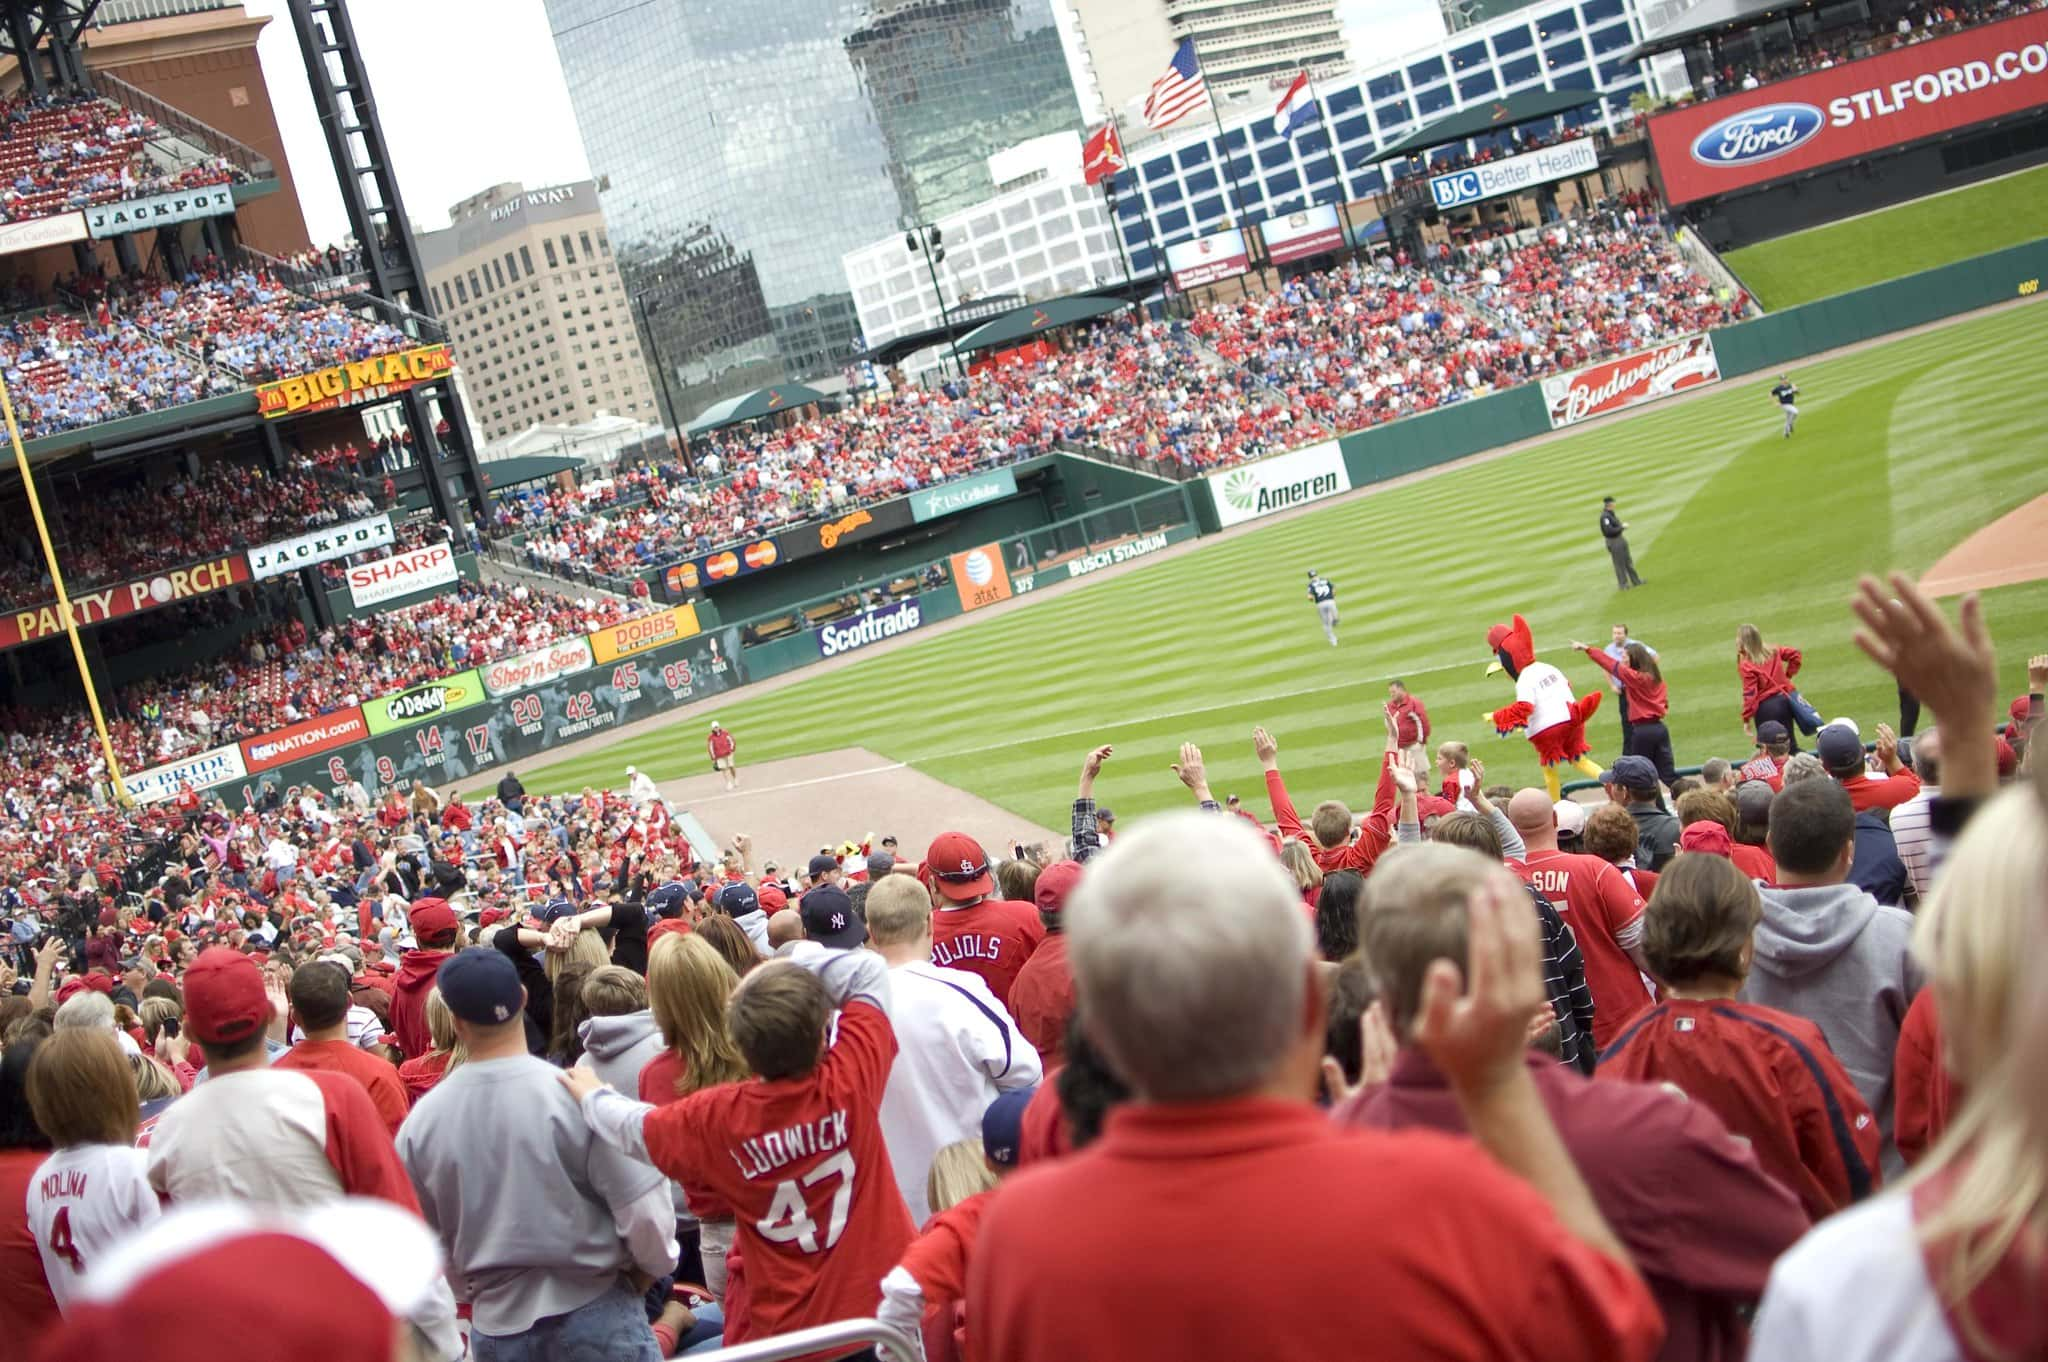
[
  {"x": 1495, "y": 115},
  {"x": 769, "y": 401},
  {"x": 1022, "y": 323}
]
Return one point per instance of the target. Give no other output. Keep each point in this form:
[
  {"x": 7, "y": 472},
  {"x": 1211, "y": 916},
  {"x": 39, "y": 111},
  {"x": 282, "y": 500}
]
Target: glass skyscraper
[{"x": 741, "y": 150}]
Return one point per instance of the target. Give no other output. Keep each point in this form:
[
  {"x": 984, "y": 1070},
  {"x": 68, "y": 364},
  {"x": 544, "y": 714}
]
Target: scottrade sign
[
  {"x": 871, "y": 626},
  {"x": 1860, "y": 107},
  {"x": 1457, "y": 188}
]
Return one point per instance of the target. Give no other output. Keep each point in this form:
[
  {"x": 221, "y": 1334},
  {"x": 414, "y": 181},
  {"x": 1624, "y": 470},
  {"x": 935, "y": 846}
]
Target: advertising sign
[
  {"x": 1292, "y": 479},
  {"x": 130, "y": 598},
  {"x": 951, "y": 498},
  {"x": 319, "y": 546},
  {"x": 306, "y": 739},
  {"x": 642, "y": 632},
  {"x": 1141, "y": 547},
  {"x": 870, "y": 626},
  {"x": 27, "y": 236},
  {"x": 1456, "y": 188},
  {"x": 1219, "y": 255},
  {"x": 846, "y": 527},
  {"x": 401, "y": 574},
  {"x": 159, "y": 210},
  {"x": 1298, "y": 236},
  {"x": 1852, "y": 110},
  {"x": 354, "y": 383},
  {"x": 1645, "y": 376},
  {"x": 429, "y": 700},
  {"x": 724, "y": 565},
  {"x": 538, "y": 667},
  {"x": 159, "y": 783},
  {"x": 980, "y": 577}
]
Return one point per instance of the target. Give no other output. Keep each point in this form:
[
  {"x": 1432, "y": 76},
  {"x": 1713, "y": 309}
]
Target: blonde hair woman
[
  {"x": 959, "y": 1170},
  {"x": 688, "y": 986},
  {"x": 1301, "y": 863},
  {"x": 444, "y": 1058},
  {"x": 1948, "y": 1263},
  {"x": 1766, "y": 672}
]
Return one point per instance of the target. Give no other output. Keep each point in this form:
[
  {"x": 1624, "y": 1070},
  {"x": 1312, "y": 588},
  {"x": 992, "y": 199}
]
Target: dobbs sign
[
  {"x": 1860, "y": 107},
  {"x": 354, "y": 383},
  {"x": 388, "y": 713},
  {"x": 1292, "y": 479},
  {"x": 642, "y": 632}
]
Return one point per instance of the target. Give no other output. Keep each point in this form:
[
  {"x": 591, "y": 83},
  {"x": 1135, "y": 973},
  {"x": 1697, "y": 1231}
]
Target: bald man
[
  {"x": 1602, "y": 908},
  {"x": 784, "y": 926}
]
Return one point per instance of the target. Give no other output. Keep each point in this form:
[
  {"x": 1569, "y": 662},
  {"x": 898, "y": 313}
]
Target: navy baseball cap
[
  {"x": 1631, "y": 773},
  {"x": 480, "y": 986},
  {"x": 822, "y": 864},
  {"x": 829, "y": 919},
  {"x": 1839, "y": 748},
  {"x": 737, "y": 900},
  {"x": 1002, "y": 1126},
  {"x": 556, "y": 910},
  {"x": 1770, "y": 730}
]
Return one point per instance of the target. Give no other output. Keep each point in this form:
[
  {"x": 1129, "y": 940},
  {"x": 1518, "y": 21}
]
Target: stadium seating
[{"x": 68, "y": 152}]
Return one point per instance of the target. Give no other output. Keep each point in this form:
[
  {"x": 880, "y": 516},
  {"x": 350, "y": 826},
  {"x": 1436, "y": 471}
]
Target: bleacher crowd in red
[{"x": 60, "y": 152}]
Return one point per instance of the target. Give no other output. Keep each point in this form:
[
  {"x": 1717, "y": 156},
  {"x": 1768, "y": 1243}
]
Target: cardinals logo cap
[{"x": 959, "y": 866}]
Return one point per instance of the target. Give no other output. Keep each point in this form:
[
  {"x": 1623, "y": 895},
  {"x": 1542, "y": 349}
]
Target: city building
[
  {"x": 740, "y": 155},
  {"x": 1248, "y": 48},
  {"x": 1460, "y": 15},
  {"x": 542, "y": 326}
]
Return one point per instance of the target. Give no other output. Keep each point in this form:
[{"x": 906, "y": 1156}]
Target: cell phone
[{"x": 170, "y": 1026}]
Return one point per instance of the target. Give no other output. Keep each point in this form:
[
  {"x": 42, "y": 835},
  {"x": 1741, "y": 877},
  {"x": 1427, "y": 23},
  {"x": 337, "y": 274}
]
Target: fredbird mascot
[{"x": 1544, "y": 704}]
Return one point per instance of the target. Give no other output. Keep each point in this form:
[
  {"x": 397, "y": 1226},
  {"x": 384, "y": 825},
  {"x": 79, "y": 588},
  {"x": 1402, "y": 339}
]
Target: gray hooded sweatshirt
[
  {"x": 755, "y": 925},
  {"x": 1837, "y": 957},
  {"x": 618, "y": 1048}
]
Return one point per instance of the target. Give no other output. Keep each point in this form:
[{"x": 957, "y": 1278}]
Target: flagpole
[
  {"x": 1222, "y": 141},
  {"x": 1144, "y": 208},
  {"x": 1336, "y": 166}
]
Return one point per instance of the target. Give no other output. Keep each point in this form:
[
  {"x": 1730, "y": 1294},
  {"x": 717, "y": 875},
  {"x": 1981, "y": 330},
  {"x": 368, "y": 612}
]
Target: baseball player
[
  {"x": 1324, "y": 594},
  {"x": 1785, "y": 392},
  {"x": 721, "y": 746}
]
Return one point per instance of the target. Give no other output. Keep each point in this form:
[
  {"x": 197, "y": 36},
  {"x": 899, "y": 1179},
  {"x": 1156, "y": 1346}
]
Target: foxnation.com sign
[{"x": 1294, "y": 479}]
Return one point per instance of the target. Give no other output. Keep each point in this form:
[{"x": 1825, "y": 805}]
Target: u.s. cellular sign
[{"x": 1856, "y": 109}]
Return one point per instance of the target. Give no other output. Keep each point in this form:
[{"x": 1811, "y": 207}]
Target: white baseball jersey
[
  {"x": 1548, "y": 694},
  {"x": 83, "y": 1202}
]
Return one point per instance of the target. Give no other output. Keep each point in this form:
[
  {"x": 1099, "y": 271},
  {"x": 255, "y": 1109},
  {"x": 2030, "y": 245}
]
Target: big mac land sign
[
  {"x": 354, "y": 383},
  {"x": 130, "y": 598},
  {"x": 1860, "y": 107}
]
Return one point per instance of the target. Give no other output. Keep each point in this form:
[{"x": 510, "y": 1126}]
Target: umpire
[{"x": 1611, "y": 529}]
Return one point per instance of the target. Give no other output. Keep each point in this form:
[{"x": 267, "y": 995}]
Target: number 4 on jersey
[{"x": 789, "y": 1220}]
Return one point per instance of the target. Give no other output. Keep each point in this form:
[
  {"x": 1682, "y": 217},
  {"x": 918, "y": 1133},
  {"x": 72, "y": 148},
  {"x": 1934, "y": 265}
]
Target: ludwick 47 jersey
[
  {"x": 83, "y": 1202},
  {"x": 802, "y": 1162}
]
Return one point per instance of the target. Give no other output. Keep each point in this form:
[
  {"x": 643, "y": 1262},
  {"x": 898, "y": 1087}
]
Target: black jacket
[{"x": 1610, "y": 524}]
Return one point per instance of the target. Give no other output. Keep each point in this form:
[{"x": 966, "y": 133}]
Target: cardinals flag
[{"x": 1103, "y": 155}]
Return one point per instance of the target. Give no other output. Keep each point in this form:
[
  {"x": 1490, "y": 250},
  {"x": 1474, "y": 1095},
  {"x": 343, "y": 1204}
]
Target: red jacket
[
  {"x": 416, "y": 971},
  {"x": 719, "y": 744},
  {"x": 1760, "y": 681},
  {"x": 1042, "y": 999},
  {"x": 1924, "y": 1096},
  {"x": 1888, "y": 793},
  {"x": 1373, "y": 838},
  {"x": 1643, "y": 698}
]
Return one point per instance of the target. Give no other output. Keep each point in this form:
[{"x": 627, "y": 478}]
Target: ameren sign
[
  {"x": 352, "y": 384},
  {"x": 1457, "y": 188},
  {"x": 1294, "y": 479}
]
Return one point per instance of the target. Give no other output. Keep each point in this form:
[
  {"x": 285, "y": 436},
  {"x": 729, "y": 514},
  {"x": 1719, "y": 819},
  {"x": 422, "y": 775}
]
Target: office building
[
  {"x": 1250, "y": 50},
  {"x": 740, "y": 155},
  {"x": 1460, "y": 15},
  {"x": 542, "y": 326}
]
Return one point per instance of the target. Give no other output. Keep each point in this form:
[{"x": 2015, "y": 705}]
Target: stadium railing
[
  {"x": 208, "y": 139},
  {"x": 846, "y": 1333}
]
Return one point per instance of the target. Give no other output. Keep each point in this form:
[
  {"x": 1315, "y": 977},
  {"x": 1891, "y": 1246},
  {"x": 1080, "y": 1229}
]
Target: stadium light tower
[{"x": 926, "y": 239}]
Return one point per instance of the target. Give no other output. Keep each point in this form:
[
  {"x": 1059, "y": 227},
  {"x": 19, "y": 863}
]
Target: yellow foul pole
[{"x": 35, "y": 508}]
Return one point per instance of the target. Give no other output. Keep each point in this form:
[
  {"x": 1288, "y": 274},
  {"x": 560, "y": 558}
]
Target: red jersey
[
  {"x": 1480, "y": 1269},
  {"x": 1411, "y": 721},
  {"x": 719, "y": 744},
  {"x": 1888, "y": 793},
  {"x": 378, "y": 1077},
  {"x": 992, "y": 938},
  {"x": 1762, "y": 680},
  {"x": 658, "y": 1088},
  {"x": 1605, "y": 914},
  {"x": 1770, "y": 770},
  {"x": 1925, "y": 1097},
  {"x": 420, "y": 1075},
  {"x": 1374, "y": 836},
  {"x": 27, "y": 1306},
  {"x": 937, "y": 1260},
  {"x": 821, "y": 1221},
  {"x": 1772, "y": 1079},
  {"x": 1642, "y": 697},
  {"x": 1754, "y": 862},
  {"x": 1042, "y": 999}
]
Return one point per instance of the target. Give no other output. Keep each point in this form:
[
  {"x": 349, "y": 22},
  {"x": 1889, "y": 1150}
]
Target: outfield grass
[
  {"x": 1903, "y": 450},
  {"x": 1897, "y": 241}
]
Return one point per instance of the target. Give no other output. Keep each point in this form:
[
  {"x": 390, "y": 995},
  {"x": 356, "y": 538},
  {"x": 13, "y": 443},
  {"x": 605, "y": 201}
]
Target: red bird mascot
[{"x": 1556, "y": 722}]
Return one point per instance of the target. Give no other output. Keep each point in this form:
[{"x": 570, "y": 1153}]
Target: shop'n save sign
[
  {"x": 401, "y": 574},
  {"x": 537, "y": 668},
  {"x": 130, "y": 598}
]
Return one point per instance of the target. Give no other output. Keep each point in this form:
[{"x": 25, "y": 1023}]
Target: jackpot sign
[
  {"x": 319, "y": 546},
  {"x": 1905, "y": 95},
  {"x": 1474, "y": 184},
  {"x": 354, "y": 383}
]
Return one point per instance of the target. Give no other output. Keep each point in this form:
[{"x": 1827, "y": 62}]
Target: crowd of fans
[
  {"x": 247, "y": 322},
  {"x": 1882, "y": 30},
  {"x": 1714, "y": 1087},
  {"x": 60, "y": 152}
]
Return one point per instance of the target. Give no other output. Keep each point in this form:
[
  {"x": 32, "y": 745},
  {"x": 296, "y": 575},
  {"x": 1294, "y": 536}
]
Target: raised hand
[
  {"x": 1474, "y": 1023},
  {"x": 1091, "y": 766},
  {"x": 1265, "y": 748},
  {"x": 1952, "y": 669},
  {"x": 1377, "y": 1049},
  {"x": 1190, "y": 769}
]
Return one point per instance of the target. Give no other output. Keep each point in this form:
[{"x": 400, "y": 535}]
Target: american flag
[{"x": 1179, "y": 91}]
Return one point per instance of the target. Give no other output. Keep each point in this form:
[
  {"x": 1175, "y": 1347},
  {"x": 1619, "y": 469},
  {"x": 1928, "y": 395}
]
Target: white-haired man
[{"x": 1195, "y": 972}]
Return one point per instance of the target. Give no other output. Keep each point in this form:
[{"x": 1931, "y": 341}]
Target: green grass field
[
  {"x": 1903, "y": 450},
  {"x": 1896, "y": 241}
]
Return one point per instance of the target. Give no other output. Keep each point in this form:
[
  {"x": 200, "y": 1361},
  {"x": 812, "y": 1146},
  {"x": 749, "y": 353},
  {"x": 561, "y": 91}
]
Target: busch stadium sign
[
  {"x": 1275, "y": 484},
  {"x": 1616, "y": 384},
  {"x": 870, "y": 626},
  {"x": 1117, "y": 553},
  {"x": 355, "y": 383}
]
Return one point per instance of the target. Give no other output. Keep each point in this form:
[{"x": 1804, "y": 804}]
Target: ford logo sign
[{"x": 1758, "y": 134}]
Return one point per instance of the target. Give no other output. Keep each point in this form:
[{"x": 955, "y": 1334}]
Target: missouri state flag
[
  {"x": 1297, "y": 108},
  {"x": 1102, "y": 155}
]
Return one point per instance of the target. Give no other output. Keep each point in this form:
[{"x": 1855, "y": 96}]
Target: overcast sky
[{"x": 471, "y": 95}]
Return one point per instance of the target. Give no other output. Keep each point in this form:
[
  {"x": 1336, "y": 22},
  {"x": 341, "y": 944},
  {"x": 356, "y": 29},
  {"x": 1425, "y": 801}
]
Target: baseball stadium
[{"x": 1080, "y": 647}]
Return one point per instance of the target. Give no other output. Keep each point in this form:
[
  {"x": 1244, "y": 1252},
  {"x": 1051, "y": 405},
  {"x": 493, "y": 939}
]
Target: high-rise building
[
  {"x": 1463, "y": 14},
  {"x": 541, "y": 322},
  {"x": 739, "y": 155},
  {"x": 1247, "y": 48}
]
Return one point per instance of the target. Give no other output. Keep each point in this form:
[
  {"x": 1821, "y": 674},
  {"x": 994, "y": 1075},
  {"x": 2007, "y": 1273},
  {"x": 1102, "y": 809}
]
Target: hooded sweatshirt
[
  {"x": 755, "y": 925},
  {"x": 618, "y": 1048},
  {"x": 1837, "y": 957},
  {"x": 416, "y": 971}
]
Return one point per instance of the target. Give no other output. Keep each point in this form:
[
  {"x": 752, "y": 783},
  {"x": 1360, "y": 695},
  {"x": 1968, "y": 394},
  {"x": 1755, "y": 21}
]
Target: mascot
[{"x": 1556, "y": 722}]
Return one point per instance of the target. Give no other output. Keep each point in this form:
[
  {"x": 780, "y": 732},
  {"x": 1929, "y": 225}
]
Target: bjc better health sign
[
  {"x": 1852, "y": 110},
  {"x": 1474, "y": 184}
]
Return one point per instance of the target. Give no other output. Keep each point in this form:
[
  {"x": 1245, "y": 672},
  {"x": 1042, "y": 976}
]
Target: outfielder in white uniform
[{"x": 1324, "y": 594}]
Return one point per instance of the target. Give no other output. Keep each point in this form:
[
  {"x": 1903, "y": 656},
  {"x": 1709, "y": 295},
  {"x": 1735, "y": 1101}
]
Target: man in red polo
[
  {"x": 1603, "y": 910},
  {"x": 1841, "y": 750},
  {"x": 972, "y": 930}
]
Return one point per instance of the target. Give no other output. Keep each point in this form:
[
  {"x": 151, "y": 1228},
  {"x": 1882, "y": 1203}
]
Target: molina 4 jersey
[{"x": 84, "y": 1201}]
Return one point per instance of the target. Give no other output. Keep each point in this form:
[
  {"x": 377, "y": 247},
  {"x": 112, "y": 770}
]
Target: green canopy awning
[
  {"x": 1495, "y": 115},
  {"x": 501, "y": 475},
  {"x": 1034, "y": 319},
  {"x": 752, "y": 406}
]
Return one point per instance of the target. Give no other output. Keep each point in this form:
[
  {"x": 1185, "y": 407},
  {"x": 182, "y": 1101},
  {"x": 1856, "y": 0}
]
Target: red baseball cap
[
  {"x": 224, "y": 997},
  {"x": 432, "y": 917},
  {"x": 1055, "y": 882},
  {"x": 99, "y": 982},
  {"x": 771, "y": 898},
  {"x": 959, "y": 866},
  {"x": 668, "y": 926}
]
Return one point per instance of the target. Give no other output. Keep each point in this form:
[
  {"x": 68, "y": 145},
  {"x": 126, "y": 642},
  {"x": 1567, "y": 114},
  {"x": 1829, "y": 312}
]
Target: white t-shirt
[
  {"x": 1855, "y": 1289},
  {"x": 1547, "y": 692},
  {"x": 84, "y": 1201}
]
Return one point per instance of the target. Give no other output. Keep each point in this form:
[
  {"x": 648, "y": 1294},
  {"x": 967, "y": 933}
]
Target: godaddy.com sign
[{"x": 1292, "y": 479}]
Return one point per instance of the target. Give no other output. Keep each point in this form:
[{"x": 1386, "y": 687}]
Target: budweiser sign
[
  {"x": 537, "y": 668},
  {"x": 1616, "y": 384}
]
